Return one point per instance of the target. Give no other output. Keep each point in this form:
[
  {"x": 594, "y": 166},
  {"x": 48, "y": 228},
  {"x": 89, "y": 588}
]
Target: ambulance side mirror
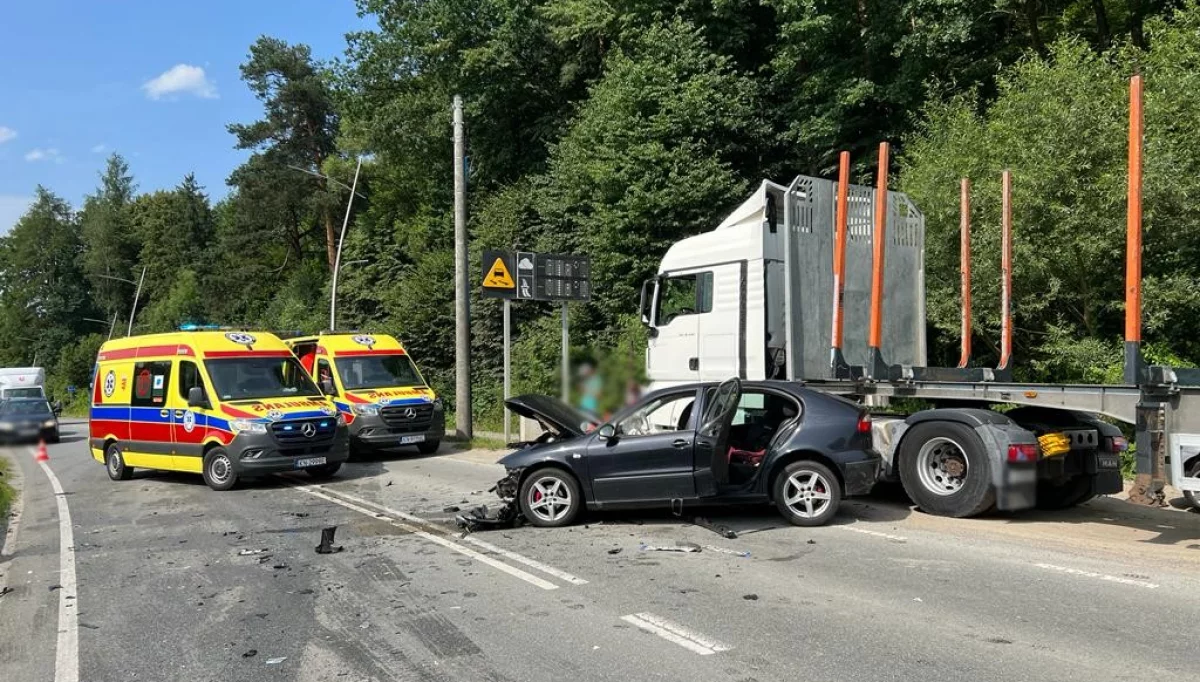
[
  {"x": 196, "y": 397},
  {"x": 327, "y": 387}
]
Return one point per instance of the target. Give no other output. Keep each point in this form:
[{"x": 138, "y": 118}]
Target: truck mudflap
[{"x": 1015, "y": 482}]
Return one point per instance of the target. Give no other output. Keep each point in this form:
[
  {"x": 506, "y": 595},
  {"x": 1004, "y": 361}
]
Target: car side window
[
  {"x": 150, "y": 383},
  {"x": 661, "y": 415},
  {"x": 189, "y": 376}
]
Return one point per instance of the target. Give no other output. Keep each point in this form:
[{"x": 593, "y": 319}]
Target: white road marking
[
  {"x": 1098, "y": 576},
  {"x": 864, "y": 531},
  {"x": 508, "y": 554},
  {"x": 676, "y": 634},
  {"x": 66, "y": 659},
  {"x": 482, "y": 558}
]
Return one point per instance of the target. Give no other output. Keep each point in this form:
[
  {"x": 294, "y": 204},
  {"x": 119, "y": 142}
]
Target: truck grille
[
  {"x": 406, "y": 418},
  {"x": 292, "y": 432}
]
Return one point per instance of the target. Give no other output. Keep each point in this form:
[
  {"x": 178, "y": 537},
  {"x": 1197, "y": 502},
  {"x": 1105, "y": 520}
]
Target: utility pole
[
  {"x": 462, "y": 303},
  {"x": 337, "y": 260}
]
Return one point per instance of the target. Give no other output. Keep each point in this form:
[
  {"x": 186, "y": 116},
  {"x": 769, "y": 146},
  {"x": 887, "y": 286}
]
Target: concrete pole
[
  {"x": 136, "y": 294},
  {"x": 507, "y": 366},
  {"x": 462, "y": 302},
  {"x": 337, "y": 260},
  {"x": 566, "y": 356}
]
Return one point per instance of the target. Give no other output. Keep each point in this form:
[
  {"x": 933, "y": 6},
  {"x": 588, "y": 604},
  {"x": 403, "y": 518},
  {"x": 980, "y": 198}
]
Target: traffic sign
[
  {"x": 529, "y": 276},
  {"x": 497, "y": 274}
]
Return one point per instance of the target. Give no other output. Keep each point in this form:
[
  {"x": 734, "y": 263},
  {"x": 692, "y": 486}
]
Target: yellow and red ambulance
[
  {"x": 377, "y": 389},
  {"x": 225, "y": 404}
]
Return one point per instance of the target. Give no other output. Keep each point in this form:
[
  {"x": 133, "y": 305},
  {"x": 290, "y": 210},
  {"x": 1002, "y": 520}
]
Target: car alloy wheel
[
  {"x": 807, "y": 493},
  {"x": 549, "y": 499}
]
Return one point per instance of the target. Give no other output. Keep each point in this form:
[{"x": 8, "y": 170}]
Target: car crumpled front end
[{"x": 507, "y": 515}]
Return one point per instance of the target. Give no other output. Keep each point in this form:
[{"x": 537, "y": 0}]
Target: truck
[
  {"x": 822, "y": 281},
  {"x": 22, "y": 382}
]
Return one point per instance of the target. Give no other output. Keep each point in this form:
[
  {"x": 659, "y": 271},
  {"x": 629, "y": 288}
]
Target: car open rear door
[{"x": 712, "y": 439}]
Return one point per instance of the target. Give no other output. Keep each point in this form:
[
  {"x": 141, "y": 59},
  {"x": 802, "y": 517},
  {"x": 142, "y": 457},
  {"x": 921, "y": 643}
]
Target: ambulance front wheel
[{"x": 218, "y": 470}]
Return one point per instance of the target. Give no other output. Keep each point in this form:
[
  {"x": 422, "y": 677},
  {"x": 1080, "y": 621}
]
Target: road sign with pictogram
[{"x": 529, "y": 276}]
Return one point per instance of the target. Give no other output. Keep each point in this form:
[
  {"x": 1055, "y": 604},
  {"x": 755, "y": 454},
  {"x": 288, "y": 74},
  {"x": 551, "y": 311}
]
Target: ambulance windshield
[
  {"x": 378, "y": 371},
  {"x": 258, "y": 378}
]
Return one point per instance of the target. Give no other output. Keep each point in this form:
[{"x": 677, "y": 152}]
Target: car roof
[{"x": 793, "y": 387}]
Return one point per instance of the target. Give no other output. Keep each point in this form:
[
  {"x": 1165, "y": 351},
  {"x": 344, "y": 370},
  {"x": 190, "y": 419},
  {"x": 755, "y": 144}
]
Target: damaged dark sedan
[{"x": 691, "y": 445}]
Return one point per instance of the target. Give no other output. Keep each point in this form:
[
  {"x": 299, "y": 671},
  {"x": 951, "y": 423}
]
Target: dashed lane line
[
  {"x": 887, "y": 536},
  {"x": 1099, "y": 576},
  {"x": 676, "y": 634}
]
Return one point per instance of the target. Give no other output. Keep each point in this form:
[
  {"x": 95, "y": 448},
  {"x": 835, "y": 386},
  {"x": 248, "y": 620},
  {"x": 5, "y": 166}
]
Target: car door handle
[{"x": 681, "y": 443}]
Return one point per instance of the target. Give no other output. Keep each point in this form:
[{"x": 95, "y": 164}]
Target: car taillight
[
  {"x": 1118, "y": 443},
  {"x": 1022, "y": 452},
  {"x": 864, "y": 423}
]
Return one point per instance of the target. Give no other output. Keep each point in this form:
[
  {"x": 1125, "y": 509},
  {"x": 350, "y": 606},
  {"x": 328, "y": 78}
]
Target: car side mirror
[
  {"x": 607, "y": 432},
  {"x": 196, "y": 397},
  {"x": 327, "y": 387}
]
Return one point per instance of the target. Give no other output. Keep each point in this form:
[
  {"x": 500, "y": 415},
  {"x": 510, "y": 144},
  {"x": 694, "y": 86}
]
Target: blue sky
[{"x": 155, "y": 80}]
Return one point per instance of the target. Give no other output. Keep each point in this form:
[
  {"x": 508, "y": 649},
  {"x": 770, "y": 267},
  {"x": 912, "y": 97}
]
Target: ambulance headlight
[
  {"x": 247, "y": 426},
  {"x": 365, "y": 410},
  {"x": 438, "y": 405}
]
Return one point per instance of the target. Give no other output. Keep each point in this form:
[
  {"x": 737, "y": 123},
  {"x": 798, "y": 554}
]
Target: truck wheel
[
  {"x": 1192, "y": 496},
  {"x": 807, "y": 493},
  {"x": 428, "y": 447},
  {"x": 324, "y": 472},
  {"x": 114, "y": 463},
  {"x": 945, "y": 470},
  {"x": 218, "y": 470},
  {"x": 1077, "y": 490},
  {"x": 550, "y": 498}
]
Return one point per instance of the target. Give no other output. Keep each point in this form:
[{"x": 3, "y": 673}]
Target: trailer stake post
[
  {"x": 1004, "y": 369},
  {"x": 1134, "y": 363},
  {"x": 876, "y": 368},
  {"x": 837, "y": 361},
  {"x": 965, "y": 268}
]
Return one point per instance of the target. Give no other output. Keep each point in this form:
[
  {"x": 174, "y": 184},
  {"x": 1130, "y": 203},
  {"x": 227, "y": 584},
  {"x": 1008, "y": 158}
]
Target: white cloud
[
  {"x": 12, "y": 207},
  {"x": 179, "y": 80},
  {"x": 99, "y": 149},
  {"x": 47, "y": 154},
  {"x": 6, "y": 134}
]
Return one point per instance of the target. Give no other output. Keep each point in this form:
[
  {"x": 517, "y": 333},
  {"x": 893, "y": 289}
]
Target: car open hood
[{"x": 552, "y": 413}]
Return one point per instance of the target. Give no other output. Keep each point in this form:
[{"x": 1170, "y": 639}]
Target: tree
[
  {"x": 299, "y": 129},
  {"x": 110, "y": 246}
]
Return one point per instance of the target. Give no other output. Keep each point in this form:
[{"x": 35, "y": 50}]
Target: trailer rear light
[
  {"x": 1022, "y": 453},
  {"x": 864, "y": 423},
  {"x": 1118, "y": 443}
]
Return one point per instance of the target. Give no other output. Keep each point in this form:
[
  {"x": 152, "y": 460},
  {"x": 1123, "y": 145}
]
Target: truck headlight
[
  {"x": 247, "y": 426},
  {"x": 365, "y": 410}
]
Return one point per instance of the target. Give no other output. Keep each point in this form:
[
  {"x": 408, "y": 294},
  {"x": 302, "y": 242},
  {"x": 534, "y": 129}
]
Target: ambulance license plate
[
  {"x": 408, "y": 440},
  {"x": 309, "y": 462}
]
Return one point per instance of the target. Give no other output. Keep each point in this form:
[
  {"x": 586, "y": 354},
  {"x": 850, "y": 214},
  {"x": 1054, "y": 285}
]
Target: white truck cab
[{"x": 22, "y": 382}]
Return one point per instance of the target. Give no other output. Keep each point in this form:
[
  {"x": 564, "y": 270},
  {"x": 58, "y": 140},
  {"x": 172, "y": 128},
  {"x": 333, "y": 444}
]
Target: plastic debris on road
[
  {"x": 251, "y": 552},
  {"x": 327, "y": 546},
  {"x": 677, "y": 547},
  {"x": 277, "y": 660},
  {"x": 733, "y": 552}
]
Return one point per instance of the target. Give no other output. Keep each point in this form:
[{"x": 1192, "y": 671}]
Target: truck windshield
[
  {"x": 30, "y": 392},
  {"x": 257, "y": 378},
  {"x": 378, "y": 371}
]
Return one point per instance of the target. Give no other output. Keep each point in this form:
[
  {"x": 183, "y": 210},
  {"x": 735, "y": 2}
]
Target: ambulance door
[
  {"x": 150, "y": 441},
  {"x": 188, "y": 424}
]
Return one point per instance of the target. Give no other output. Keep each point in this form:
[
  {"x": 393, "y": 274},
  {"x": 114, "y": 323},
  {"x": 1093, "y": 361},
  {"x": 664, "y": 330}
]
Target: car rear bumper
[{"x": 860, "y": 471}]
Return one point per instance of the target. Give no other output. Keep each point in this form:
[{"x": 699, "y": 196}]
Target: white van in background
[{"x": 22, "y": 382}]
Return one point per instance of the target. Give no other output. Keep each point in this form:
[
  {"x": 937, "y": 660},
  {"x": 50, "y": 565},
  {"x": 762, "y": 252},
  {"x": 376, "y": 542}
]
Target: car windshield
[
  {"x": 258, "y": 378},
  {"x": 25, "y": 408},
  {"x": 30, "y": 392},
  {"x": 377, "y": 371}
]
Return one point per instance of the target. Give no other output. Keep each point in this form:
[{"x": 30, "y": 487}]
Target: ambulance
[
  {"x": 225, "y": 404},
  {"x": 376, "y": 388}
]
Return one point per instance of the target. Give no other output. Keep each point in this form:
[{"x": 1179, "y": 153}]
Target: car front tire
[
  {"x": 218, "y": 470},
  {"x": 114, "y": 463},
  {"x": 428, "y": 447},
  {"x": 550, "y": 498}
]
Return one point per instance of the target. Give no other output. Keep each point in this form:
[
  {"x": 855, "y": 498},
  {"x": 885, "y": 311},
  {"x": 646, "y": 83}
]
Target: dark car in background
[
  {"x": 695, "y": 444},
  {"x": 25, "y": 420}
]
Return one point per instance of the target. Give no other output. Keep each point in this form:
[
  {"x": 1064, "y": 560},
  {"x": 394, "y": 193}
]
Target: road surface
[{"x": 159, "y": 578}]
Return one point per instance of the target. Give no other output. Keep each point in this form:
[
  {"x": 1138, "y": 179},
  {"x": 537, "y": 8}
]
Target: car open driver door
[{"x": 712, "y": 439}]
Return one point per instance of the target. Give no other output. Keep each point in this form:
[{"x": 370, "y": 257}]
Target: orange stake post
[
  {"x": 1006, "y": 323},
  {"x": 839, "y": 252},
  {"x": 875, "y": 339},
  {"x": 965, "y": 266},
  {"x": 1133, "y": 237}
]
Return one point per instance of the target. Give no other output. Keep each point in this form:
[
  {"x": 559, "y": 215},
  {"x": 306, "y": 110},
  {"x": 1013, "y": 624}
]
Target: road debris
[
  {"x": 677, "y": 547},
  {"x": 750, "y": 597},
  {"x": 251, "y": 552},
  {"x": 54, "y": 587},
  {"x": 733, "y": 552},
  {"x": 327, "y": 546},
  {"x": 5, "y": 590},
  {"x": 480, "y": 518},
  {"x": 723, "y": 531},
  {"x": 615, "y": 550},
  {"x": 250, "y": 654},
  {"x": 450, "y": 508},
  {"x": 277, "y": 660}
]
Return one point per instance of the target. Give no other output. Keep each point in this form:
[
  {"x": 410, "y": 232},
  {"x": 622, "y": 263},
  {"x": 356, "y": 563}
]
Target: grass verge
[{"x": 7, "y": 493}]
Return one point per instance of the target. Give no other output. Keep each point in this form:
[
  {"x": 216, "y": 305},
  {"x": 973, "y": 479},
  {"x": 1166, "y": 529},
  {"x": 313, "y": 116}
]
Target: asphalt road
[{"x": 159, "y": 578}]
